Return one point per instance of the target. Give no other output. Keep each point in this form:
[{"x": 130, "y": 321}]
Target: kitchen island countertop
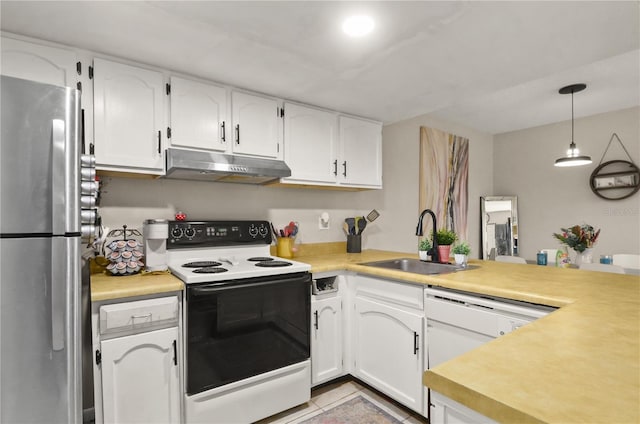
[{"x": 580, "y": 363}]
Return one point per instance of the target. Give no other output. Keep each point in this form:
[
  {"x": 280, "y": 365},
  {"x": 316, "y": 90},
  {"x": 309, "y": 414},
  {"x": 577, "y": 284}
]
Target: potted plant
[
  {"x": 423, "y": 249},
  {"x": 444, "y": 240},
  {"x": 461, "y": 252}
]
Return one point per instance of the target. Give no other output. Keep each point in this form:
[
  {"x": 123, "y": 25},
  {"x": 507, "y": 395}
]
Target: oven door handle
[{"x": 230, "y": 285}]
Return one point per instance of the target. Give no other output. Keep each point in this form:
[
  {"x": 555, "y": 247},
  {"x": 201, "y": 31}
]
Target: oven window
[{"x": 246, "y": 328}]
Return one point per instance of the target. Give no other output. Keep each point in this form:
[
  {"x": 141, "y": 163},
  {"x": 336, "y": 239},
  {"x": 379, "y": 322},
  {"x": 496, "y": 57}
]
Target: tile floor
[{"x": 328, "y": 396}]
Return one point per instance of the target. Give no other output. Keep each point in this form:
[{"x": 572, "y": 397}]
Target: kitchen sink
[{"x": 416, "y": 266}]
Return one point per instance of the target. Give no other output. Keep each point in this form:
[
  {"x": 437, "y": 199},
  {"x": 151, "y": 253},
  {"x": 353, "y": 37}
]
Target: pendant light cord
[{"x": 572, "y": 143}]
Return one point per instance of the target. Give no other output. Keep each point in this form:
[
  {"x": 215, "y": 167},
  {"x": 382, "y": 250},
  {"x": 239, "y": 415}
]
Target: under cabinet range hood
[{"x": 210, "y": 166}]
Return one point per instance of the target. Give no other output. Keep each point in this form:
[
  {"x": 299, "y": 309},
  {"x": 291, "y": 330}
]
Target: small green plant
[
  {"x": 462, "y": 248},
  {"x": 445, "y": 237},
  {"x": 425, "y": 244}
]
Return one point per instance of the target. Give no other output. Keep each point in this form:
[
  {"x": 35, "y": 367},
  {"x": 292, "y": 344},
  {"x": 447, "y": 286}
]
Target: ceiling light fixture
[
  {"x": 357, "y": 26},
  {"x": 573, "y": 157}
]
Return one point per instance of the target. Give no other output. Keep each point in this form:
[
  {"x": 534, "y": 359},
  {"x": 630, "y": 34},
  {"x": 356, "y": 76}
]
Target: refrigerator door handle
[
  {"x": 58, "y": 177},
  {"x": 58, "y": 291}
]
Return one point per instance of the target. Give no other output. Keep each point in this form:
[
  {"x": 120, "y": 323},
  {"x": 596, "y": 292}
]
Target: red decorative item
[{"x": 181, "y": 216}]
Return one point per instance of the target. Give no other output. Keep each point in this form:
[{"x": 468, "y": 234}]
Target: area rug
[{"x": 355, "y": 411}]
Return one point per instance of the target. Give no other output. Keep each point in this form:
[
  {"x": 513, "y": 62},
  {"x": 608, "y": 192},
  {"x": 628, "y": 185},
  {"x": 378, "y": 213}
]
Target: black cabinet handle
[
  {"x": 416, "y": 339},
  {"x": 344, "y": 165},
  {"x": 238, "y": 134},
  {"x": 224, "y": 133},
  {"x": 316, "y": 323},
  {"x": 159, "y": 142},
  {"x": 335, "y": 167},
  {"x": 175, "y": 352}
]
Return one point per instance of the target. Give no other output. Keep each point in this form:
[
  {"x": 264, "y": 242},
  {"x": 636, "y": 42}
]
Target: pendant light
[{"x": 573, "y": 157}]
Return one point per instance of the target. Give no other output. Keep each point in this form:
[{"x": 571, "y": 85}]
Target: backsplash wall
[{"x": 130, "y": 201}]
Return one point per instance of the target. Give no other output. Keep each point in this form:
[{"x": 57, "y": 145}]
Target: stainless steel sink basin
[{"x": 416, "y": 266}]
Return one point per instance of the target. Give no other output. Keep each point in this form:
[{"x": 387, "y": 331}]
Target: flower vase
[
  {"x": 584, "y": 257},
  {"x": 443, "y": 252},
  {"x": 424, "y": 255}
]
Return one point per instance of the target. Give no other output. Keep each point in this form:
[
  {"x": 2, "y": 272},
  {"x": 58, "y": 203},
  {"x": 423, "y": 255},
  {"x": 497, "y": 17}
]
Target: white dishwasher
[{"x": 458, "y": 322}]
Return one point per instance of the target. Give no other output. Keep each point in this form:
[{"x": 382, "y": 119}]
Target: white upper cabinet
[
  {"x": 257, "y": 125},
  {"x": 128, "y": 118},
  {"x": 198, "y": 115},
  {"x": 50, "y": 65},
  {"x": 326, "y": 149},
  {"x": 360, "y": 157},
  {"x": 311, "y": 140}
]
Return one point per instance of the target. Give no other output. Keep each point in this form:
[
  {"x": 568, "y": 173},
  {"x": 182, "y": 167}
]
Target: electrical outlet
[{"x": 323, "y": 221}]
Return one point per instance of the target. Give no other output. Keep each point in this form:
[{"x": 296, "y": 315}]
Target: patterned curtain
[{"x": 444, "y": 174}]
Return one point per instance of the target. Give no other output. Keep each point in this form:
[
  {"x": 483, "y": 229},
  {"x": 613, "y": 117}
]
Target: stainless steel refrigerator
[{"x": 40, "y": 239}]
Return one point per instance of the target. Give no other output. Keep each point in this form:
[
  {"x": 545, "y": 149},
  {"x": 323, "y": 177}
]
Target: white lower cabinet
[
  {"x": 140, "y": 379},
  {"x": 136, "y": 370},
  {"x": 447, "y": 411},
  {"x": 326, "y": 339},
  {"x": 387, "y": 337}
]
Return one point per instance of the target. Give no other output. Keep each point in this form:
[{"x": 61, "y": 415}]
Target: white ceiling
[{"x": 492, "y": 66}]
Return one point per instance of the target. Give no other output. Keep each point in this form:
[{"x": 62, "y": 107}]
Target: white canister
[{"x": 156, "y": 232}]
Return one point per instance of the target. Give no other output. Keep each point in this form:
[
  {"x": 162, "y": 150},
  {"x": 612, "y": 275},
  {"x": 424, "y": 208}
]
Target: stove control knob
[
  {"x": 263, "y": 230},
  {"x": 253, "y": 230},
  {"x": 176, "y": 233},
  {"x": 189, "y": 232}
]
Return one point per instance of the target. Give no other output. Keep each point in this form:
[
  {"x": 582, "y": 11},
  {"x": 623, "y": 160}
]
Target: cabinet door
[
  {"x": 140, "y": 378},
  {"x": 128, "y": 118},
  {"x": 310, "y": 144},
  {"x": 198, "y": 113},
  {"x": 388, "y": 352},
  {"x": 256, "y": 125},
  {"x": 360, "y": 161},
  {"x": 49, "y": 65},
  {"x": 326, "y": 339}
]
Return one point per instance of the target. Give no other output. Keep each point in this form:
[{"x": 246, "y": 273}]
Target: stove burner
[
  {"x": 210, "y": 270},
  {"x": 269, "y": 264},
  {"x": 201, "y": 264},
  {"x": 260, "y": 259}
]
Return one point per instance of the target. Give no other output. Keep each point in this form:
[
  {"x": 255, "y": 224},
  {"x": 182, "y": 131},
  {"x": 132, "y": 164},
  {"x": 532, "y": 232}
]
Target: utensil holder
[
  {"x": 284, "y": 247},
  {"x": 354, "y": 243}
]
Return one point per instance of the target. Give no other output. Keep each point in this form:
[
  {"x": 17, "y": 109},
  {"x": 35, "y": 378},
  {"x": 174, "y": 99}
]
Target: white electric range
[{"x": 246, "y": 321}]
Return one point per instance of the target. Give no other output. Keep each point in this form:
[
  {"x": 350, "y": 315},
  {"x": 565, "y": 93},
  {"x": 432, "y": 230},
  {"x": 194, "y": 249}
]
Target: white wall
[
  {"x": 550, "y": 198},
  {"x": 131, "y": 201},
  {"x": 400, "y": 210}
]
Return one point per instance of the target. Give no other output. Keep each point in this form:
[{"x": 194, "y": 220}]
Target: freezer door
[
  {"x": 39, "y": 158},
  {"x": 40, "y": 359}
]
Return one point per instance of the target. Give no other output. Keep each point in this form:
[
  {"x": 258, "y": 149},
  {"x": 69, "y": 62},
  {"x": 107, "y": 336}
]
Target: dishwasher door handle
[{"x": 416, "y": 342}]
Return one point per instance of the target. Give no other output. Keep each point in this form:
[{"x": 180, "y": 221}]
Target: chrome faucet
[{"x": 433, "y": 252}]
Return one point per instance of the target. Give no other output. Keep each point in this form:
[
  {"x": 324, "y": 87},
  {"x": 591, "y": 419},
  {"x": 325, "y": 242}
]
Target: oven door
[{"x": 241, "y": 328}]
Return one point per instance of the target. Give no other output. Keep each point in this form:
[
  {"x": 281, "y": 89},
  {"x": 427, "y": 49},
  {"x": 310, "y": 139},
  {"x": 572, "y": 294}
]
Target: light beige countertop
[
  {"x": 109, "y": 287},
  {"x": 580, "y": 363}
]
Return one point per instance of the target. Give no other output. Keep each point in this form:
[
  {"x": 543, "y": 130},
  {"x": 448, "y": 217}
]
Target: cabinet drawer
[{"x": 138, "y": 314}]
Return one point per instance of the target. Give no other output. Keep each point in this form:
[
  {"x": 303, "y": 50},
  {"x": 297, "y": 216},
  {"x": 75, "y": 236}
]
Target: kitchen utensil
[
  {"x": 372, "y": 215},
  {"x": 351, "y": 222},
  {"x": 362, "y": 224},
  {"x": 275, "y": 233},
  {"x": 345, "y": 227},
  {"x": 355, "y": 225}
]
